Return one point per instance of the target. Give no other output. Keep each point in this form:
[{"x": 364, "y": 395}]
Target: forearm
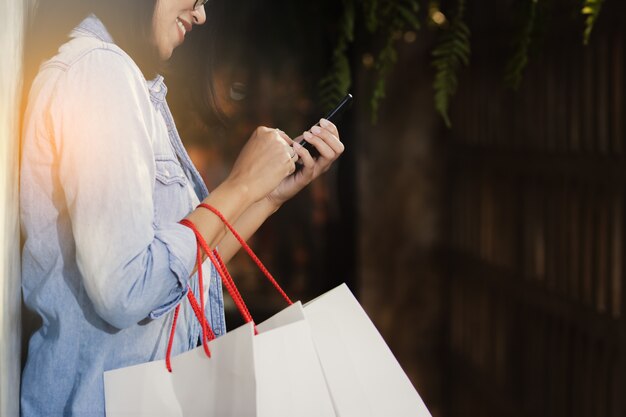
[
  {"x": 264, "y": 162},
  {"x": 232, "y": 200},
  {"x": 246, "y": 225}
]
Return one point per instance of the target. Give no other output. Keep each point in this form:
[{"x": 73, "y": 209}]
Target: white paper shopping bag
[
  {"x": 363, "y": 376},
  {"x": 360, "y": 371},
  {"x": 223, "y": 385},
  {"x": 290, "y": 381}
]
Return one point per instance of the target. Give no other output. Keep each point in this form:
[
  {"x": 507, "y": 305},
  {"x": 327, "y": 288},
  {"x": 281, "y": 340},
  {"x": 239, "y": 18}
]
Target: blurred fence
[{"x": 535, "y": 259}]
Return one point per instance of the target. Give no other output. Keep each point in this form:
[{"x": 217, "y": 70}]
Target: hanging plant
[
  {"x": 401, "y": 15},
  {"x": 518, "y": 62},
  {"x": 383, "y": 19},
  {"x": 591, "y": 9},
  {"x": 386, "y": 20},
  {"x": 452, "y": 51},
  {"x": 338, "y": 81}
]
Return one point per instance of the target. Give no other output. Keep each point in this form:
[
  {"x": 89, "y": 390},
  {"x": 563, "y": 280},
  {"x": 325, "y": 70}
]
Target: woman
[{"x": 105, "y": 181}]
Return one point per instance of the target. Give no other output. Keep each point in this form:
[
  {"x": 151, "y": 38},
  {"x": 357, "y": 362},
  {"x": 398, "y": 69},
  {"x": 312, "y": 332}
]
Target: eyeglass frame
[{"x": 199, "y": 3}]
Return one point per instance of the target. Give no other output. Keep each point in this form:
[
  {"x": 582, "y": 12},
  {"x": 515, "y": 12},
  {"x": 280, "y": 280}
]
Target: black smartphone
[{"x": 333, "y": 116}]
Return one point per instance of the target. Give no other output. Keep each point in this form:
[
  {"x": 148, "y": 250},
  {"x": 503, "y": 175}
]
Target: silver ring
[{"x": 294, "y": 154}]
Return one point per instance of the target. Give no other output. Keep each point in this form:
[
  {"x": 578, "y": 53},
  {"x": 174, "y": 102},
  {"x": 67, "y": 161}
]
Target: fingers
[
  {"x": 326, "y": 124},
  {"x": 278, "y": 143},
  {"x": 325, "y": 138},
  {"x": 304, "y": 156},
  {"x": 284, "y": 139},
  {"x": 293, "y": 155},
  {"x": 333, "y": 140},
  {"x": 291, "y": 152},
  {"x": 284, "y": 136}
]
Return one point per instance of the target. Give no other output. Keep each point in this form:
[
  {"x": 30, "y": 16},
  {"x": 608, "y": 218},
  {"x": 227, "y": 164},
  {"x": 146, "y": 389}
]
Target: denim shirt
[{"x": 104, "y": 181}]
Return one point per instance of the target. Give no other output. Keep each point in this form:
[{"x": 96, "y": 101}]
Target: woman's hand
[
  {"x": 265, "y": 160},
  {"x": 263, "y": 163},
  {"x": 263, "y": 169},
  {"x": 325, "y": 138}
]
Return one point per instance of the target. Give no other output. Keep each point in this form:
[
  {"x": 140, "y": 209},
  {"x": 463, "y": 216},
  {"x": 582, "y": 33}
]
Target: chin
[{"x": 165, "y": 55}]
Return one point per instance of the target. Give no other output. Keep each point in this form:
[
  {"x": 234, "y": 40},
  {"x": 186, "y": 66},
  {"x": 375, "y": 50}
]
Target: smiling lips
[{"x": 183, "y": 26}]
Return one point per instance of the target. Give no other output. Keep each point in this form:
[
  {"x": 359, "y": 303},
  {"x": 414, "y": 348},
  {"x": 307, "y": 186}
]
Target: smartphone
[{"x": 333, "y": 116}]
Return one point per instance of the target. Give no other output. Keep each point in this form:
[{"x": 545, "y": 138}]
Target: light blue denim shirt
[{"x": 104, "y": 181}]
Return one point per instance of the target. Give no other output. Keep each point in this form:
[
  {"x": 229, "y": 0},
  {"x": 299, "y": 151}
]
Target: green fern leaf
[
  {"x": 518, "y": 62},
  {"x": 337, "y": 82},
  {"x": 409, "y": 15},
  {"x": 382, "y": 17},
  {"x": 452, "y": 52},
  {"x": 400, "y": 15},
  {"x": 591, "y": 10},
  {"x": 370, "y": 8}
]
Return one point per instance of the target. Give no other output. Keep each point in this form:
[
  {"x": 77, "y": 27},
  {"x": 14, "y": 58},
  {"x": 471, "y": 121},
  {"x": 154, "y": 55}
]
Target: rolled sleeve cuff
[{"x": 180, "y": 242}]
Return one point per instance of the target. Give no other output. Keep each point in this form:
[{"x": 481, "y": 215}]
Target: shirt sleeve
[{"x": 104, "y": 125}]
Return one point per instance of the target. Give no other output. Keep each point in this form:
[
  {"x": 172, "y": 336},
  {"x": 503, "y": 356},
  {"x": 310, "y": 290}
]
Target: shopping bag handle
[
  {"x": 221, "y": 269},
  {"x": 207, "y": 332},
  {"x": 216, "y": 259},
  {"x": 247, "y": 248}
]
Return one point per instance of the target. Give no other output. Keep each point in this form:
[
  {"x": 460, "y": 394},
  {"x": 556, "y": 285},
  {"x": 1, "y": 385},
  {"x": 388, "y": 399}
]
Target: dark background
[{"x": 490, "y": 255}]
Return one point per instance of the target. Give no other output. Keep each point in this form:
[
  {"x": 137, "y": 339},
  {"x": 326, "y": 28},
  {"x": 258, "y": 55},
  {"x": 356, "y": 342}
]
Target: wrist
[
  {"x": 238, "y": 192},
  {"x": 270, "y": 204}
]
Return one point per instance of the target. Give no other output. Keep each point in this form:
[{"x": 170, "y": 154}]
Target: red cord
[
  {"x": 248, "y": 250},
  {"x": 207, "y": 332},
  {"x": 218, "y": 262},
  {"x": 168, "y": 355},
  {"x": 222, "y": 272},
  {"x": 203, "y": 323},
  {"x": 229, "y": 281},
  {"x": 241, "y": 305}
]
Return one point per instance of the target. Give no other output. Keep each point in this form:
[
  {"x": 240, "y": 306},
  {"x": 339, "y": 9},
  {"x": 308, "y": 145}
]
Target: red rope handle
[
  {"x": 222, "y": 272},
  {"x": 230, "y": 283},
  {"x": 203, "y": 323},
  {"x": 218, "y": 262},
  {"x": 207, "y": 332},
  {"x": 170, "y": 343},
  {"x": 248, "y": 250}
]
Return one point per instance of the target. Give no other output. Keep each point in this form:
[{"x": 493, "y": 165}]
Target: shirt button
[{"x": 167, "y": 173}]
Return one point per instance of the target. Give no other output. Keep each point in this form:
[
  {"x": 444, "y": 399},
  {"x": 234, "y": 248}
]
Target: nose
[{"x": 199, "y": 15}]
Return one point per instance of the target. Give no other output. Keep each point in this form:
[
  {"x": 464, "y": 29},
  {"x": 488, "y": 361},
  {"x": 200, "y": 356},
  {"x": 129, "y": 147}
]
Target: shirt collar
[
  {"x": 157, "y": 88},
  {"x": 92, "y": 26}
]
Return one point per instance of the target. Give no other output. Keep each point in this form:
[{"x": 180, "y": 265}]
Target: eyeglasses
[{"x": 199, "y": 3}]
